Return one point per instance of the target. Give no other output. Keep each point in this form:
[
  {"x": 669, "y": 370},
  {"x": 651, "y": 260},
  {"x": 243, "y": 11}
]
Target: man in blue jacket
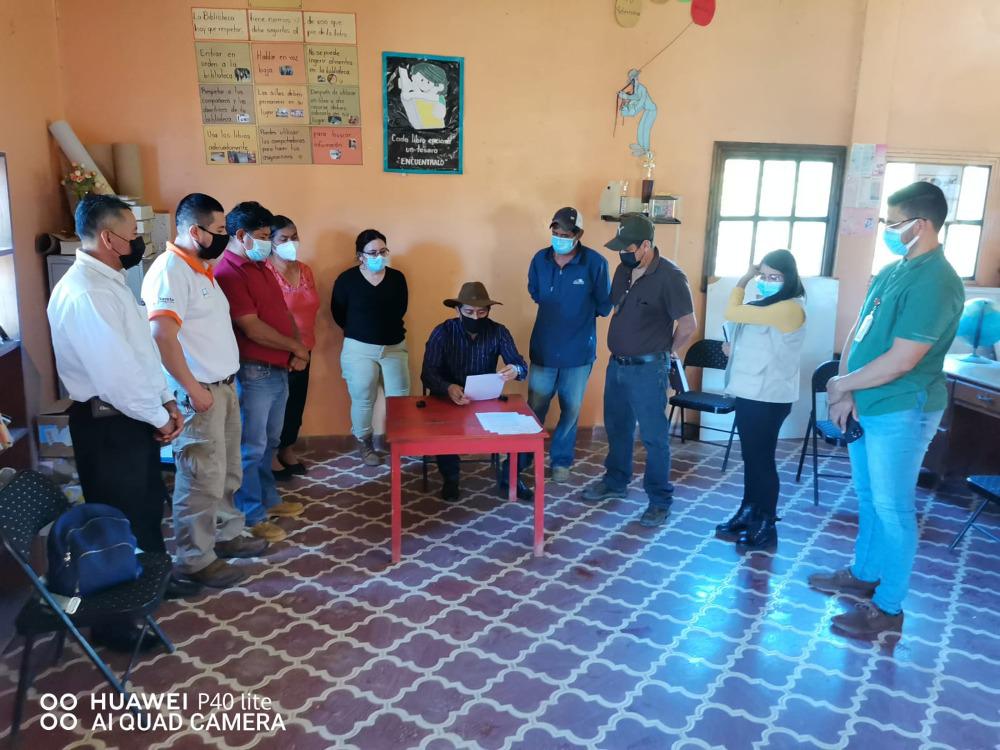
[{"x": 569, "y": 283}]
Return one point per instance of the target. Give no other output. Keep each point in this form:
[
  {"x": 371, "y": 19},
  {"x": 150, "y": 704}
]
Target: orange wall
[
  {"x": 540, "y": 79},
  {"x": 30, "y": 85},
  {"x": 540, "y": 83}
]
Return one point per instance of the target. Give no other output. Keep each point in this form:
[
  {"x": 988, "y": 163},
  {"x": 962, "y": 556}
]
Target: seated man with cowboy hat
[{"x": 469, "y": 344}]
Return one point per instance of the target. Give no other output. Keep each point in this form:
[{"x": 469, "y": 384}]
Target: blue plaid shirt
[{"x": 451, "y": 355}]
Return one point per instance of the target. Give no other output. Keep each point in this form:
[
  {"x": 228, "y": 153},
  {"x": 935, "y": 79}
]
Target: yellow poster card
[
  {"x": 276, "y": 25},
  {"x": 220, "y": 23},
  {"x": 282, "y": 105},
  {"x": 230, "y": 144},
  {"x": 223, "y": 62},
  {"x": 331, "y": 28}
]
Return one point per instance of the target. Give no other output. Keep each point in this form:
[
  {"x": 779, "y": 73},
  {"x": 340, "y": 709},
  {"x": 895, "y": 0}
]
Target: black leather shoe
[
  {"x": 449, "y": 490},
  {"x": 738, "y": 522},
  {"x": 181, "y": 588},
  {"x": 523, "y": 491},
  {"x": 123, "y": 639},
  {"x": 760, "y": 533}
]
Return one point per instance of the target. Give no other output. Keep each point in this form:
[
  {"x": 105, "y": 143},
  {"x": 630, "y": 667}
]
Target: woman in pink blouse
[{"x": 299, "y": 289}]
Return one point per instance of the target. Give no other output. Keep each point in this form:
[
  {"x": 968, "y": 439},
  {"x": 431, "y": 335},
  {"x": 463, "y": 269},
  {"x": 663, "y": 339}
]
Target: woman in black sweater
[{"x": 369, "y": 302}]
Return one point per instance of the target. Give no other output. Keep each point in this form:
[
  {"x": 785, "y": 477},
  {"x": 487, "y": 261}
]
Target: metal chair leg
[
  {"x": 155, "y": 627},
  {"x": 670, "y": 420},
  {"x": 805, "y": 444},
  {"x": 23, "y": 683},
  {"x": 683, "y": 423},
  {"x": 60, "y": 645},
  {"x": 815, "y": 468},
  {"x": 968, "y": 525},
  {"x": 729, "y": 447}
]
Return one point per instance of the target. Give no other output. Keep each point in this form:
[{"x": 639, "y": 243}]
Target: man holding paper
[{"x": 469, "y": 345}]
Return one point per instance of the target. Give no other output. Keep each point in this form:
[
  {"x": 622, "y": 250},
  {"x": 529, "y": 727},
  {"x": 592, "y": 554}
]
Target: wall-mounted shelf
[{"x": 655, "y": 221}]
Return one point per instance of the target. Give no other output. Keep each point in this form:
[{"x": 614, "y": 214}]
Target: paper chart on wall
[
  {"x": 863, "y": 188},
  {"x": 278, "y": 86}
]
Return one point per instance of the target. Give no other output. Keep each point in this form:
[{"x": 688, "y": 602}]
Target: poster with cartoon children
[{"x": 422, "y": 113}]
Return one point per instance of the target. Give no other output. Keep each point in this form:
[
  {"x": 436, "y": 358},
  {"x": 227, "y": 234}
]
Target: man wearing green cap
[{"x": 653, "y": 317}]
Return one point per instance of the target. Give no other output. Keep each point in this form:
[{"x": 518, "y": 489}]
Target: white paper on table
[
  {"x": 483, "y": 387},
  {"x": 508, "y": 423}
]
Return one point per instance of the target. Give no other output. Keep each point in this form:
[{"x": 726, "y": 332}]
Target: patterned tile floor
[{"x": 619, "y": 637}]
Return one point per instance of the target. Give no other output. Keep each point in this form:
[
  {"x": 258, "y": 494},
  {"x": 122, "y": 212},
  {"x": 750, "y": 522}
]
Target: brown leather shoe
[
  {"x": 269, "y": 531},
  {"x": 842, "y": 582},
  {"x": 218, "y": 574},
  {"x": 286, "y": 509},
  {"x": 866, "y": 620},
  {"x": 241, "y": 546}
]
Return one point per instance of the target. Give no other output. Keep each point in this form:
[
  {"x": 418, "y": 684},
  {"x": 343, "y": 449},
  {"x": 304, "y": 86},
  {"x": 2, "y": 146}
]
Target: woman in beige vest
[{"x": 763, "y": 375}]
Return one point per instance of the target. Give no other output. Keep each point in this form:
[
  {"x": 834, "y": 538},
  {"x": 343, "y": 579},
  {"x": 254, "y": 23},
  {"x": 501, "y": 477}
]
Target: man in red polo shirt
[{"x": 269, "y": 347}]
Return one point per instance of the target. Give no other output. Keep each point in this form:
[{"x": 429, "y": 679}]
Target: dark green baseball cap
[{"x": 633, "y": 229}]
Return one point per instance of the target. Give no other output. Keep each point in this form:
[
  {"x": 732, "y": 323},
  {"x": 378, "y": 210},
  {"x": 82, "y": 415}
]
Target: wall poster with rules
[{"x": 422, "y": 102}]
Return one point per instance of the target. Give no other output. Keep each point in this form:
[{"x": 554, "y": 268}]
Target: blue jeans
[
  {"x": 569, "y": 383},
  {"x": 638, "y": 393},
  {"x": 885, "y": 464},
  {"x": 263, "y": 391}
]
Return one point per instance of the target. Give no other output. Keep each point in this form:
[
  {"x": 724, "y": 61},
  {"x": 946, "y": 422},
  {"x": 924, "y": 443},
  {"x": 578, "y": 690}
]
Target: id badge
[{"x": 865, "y": 326}]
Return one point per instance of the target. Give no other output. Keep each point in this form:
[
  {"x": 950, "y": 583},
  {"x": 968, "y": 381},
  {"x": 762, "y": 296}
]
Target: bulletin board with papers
[{"x": 278, "y": 86}]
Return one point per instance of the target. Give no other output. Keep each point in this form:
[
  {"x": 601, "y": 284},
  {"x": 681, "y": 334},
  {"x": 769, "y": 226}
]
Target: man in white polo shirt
[{"x": 189, "y": 317}]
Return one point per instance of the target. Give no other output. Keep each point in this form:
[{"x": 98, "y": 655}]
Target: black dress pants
[
  {"x": 118, "y": 461},
  {"x": 758, "y": 423},
  {"x": 298, "y": 390}
]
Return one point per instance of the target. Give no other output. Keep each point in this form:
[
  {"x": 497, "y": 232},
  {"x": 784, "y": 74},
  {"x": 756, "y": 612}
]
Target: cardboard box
[{"x": 53, "y": 431}]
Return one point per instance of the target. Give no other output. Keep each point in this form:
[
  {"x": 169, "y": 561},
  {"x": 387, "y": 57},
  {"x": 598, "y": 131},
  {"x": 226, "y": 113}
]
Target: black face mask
[
  {"x": 473, "y": 325},
  {"x": 137, "y": 248},
  {"x": 215, "y": 248},
  {"x": 628, "y": 260}
]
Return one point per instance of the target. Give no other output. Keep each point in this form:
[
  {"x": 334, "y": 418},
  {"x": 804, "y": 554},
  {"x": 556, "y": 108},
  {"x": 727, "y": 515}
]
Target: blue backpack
[{"x": 91, "y": 548}]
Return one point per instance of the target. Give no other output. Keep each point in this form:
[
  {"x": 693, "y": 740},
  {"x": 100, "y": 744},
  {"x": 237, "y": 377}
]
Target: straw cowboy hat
[{"x": 473, "y": 294}]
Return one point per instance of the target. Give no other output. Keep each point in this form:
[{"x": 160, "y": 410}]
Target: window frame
[
  {"x": 990, "y": 232},
  {"x": 796, "y": 152}
]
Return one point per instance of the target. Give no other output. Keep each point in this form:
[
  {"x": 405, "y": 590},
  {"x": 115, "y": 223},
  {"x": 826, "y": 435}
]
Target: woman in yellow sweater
[{"x": 763, "y": 375}]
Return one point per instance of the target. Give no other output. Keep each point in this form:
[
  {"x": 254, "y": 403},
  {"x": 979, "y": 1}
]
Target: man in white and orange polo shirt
[{"x": 189, "y": 317}]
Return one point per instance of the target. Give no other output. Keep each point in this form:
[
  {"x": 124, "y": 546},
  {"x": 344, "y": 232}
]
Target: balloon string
[{"x": 690, "y": 23}]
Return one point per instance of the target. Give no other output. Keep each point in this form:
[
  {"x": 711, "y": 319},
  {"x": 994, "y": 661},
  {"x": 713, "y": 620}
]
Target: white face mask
[{"x": 287, "y": 250}]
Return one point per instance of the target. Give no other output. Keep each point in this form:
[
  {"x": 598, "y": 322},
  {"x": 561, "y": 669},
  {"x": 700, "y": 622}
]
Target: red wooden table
[{"x": 441, "y": 428}]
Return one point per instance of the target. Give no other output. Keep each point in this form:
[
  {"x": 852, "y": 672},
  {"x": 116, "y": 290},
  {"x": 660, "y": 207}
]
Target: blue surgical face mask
[
  {"x": 375, "y": 263},
  {"x": 563, "y": 245},
  {"x": 893, "y": 238},
  {"x": 768, "y": 288},
  {"x": 260, "y": 250}
]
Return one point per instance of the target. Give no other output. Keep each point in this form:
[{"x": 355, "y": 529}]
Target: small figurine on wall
[
  {"x": 423, "y": 95},
  {"x": 634, "y": 100}
]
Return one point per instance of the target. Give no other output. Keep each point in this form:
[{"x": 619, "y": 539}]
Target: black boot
[
  {"x": 760, "y": 532},
  {"x": 738, "y": 522}
]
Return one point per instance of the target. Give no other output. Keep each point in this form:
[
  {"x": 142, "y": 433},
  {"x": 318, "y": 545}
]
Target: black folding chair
[
  {"x": 708, "y": 355},
  {"x": 821, "y": 428},
  {"x": 494, "y": 460},
  {"x": 27, "y": 505},
  {"x": 989, "y": 488}
]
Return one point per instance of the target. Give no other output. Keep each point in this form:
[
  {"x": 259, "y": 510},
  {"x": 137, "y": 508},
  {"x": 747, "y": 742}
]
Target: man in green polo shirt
[{"x": 891, "y": 381}]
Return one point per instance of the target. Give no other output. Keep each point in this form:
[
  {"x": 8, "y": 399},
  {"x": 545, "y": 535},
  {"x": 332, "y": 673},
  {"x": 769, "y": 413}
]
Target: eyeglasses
[
  {"x": 893, "y": 225},
  {"x": 772, "y": 277},
  {"x": 383, "y": 252}
]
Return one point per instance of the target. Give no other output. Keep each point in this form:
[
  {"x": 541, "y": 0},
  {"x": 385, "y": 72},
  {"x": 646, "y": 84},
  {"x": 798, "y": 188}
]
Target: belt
[
  {"x": 225, "y": 381},
  {"x": 95, "y": 408},
  {"x": 259, "y": 363},
  {"x": 640, "y": 359}
]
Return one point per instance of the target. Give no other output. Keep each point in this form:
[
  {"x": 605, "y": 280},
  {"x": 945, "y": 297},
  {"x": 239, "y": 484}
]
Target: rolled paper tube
[
  {"x": 128, "y": 169},
  {"x": 75, "y": 152},
  {"x": 101, "y": 153}
]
